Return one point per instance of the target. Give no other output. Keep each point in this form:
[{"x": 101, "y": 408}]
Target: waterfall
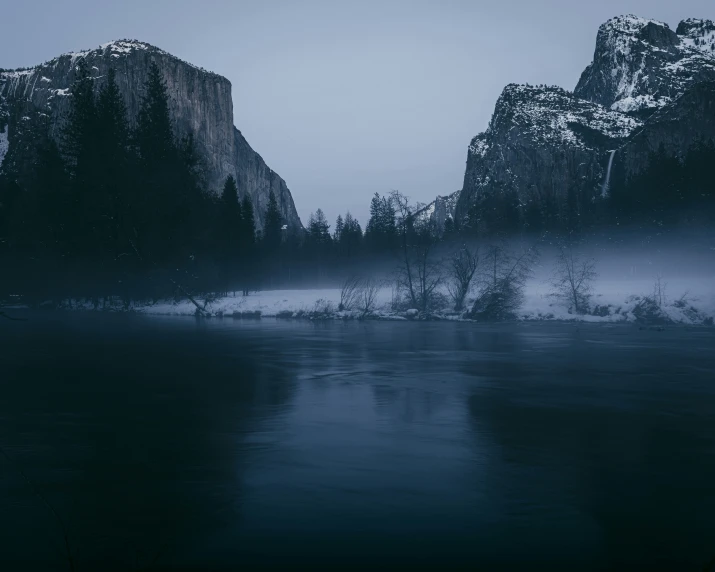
[{"x": 607, "y": 182}]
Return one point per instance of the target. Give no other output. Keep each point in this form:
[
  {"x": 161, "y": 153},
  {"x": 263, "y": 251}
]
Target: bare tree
[
  {"x": 462, "y": 268},
  {"x": 503, "y": 281},
  {"x": 421, "y": 271},
  {"x": 659, "y": 291},
  {"x": 367, "y": 296},
  {"x": 405, "y": 213},
  {"x": 573, "y": 279},
  {"x": 430, "y": 267},
  {"x": 349, "y": 293}
]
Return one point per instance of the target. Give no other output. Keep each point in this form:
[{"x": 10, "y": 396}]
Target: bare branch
[
  {"x": 503, "y": 281},
  {"x": 462, "y": 268},
  {"x": 367, "y": 296},
  {"x": 349, "y": 293},
  {"x": 573, "y": 279}
]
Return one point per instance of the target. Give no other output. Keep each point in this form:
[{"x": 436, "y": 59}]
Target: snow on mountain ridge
[
  {"x": 640, "y": 65},
  {"x": 115, "y": 49},
  {"x": 698, "y": 35},
  {"x": 439, "y": 210},
  {"x": 554, "y": 115},
  {"x": 479, "y": 145},
  {"x": 200, "y": 103},
  {"x": 630, "y": 23},
  {"x": 545, "y": 144}
]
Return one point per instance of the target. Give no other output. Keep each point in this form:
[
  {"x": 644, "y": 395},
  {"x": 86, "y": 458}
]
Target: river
[{"x": 189, "y": 444}]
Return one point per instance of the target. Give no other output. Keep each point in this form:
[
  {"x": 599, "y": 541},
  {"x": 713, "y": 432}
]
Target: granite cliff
[
  {"x": 200, "y": 103},
  {"x": 549, "y": 148}
]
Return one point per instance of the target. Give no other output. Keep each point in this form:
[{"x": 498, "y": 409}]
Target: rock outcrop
[
  {"x": 676, "y": 127},
  {"x": 541, "y": 141},
  {"x": 200, "y": 103},
  {"x": 641, "y": 65},
  {"x": 647, "y": 86},
  {"x": 440, "y": 210}
]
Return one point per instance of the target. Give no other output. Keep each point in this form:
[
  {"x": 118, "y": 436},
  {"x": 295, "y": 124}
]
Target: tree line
[
  {"x": 121, "y": 210},
  {"x": 115, "y": 210}
]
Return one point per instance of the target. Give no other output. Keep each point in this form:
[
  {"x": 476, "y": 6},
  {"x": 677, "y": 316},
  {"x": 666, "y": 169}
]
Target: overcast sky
[{"x": 347, "y": 98}]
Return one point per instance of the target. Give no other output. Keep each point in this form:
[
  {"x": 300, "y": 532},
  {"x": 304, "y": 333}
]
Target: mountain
[
  {"x": 440, "y": 210},
  {"x": 541, "y": 142},
  {"x": 546, "y": 151},
  {"x": 641, "y": 65},
  {"x": 200, "y": 103}
]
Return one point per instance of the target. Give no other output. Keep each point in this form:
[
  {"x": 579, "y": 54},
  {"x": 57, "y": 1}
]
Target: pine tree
[
  {"x": 372, "y": 231},
  {"x": 80, "y": 148},
  {"x": 79, "y": 135},
  {"x": 249, "y": 222},
  {"x": 113, "y": 167},
  {"x": 166, "y": 189},
  {"x": 351, "y": 236},
  {"x": 154, "y": 135},
  {"x": 338, "y": 228},
  {"x": 449, "y": 228},
  {"x": 248, "y": 242},
  {"x": 318, "y": 229},
  {"x": 272, "y": 226},
  {"x": 231, "y": 205},
  {"x": 381, "y": 231},
  {"x": 231, "y": 223},
  {"x": 112, "y": 118}
]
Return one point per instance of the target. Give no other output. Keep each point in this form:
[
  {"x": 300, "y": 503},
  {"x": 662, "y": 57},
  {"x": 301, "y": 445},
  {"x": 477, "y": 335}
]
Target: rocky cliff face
[
  {"x": 641, "y": 65},
  {"x": 675, "y": 127},
  {"x": 540, "y": 143},
  {"x": 200, "y": 103},
  {"x": 647, "y": 86},
  {"x": 440, "y": 210}
]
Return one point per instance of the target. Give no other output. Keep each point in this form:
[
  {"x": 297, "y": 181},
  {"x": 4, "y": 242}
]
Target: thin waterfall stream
[{"x": 607, "y": 182}]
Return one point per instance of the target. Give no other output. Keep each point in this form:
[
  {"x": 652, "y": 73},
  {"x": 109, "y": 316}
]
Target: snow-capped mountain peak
[
  {"x": 647, "y": 85},
  {"x": 698, "y": 35},
  {"x": 641, "y": 65}
]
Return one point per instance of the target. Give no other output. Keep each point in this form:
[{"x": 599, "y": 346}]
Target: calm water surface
[{"x": 222, "y": 445}]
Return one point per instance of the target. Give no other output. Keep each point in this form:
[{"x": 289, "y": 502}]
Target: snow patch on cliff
[
  {"x": 629, "y": 24},
  {"x": 554, "y": 115},
  {"x": 479, "y": 145},
  {"x": 698, "y": 35},
  {"x": 634, "y": 103},
  {"x": 644, "y": 64}
]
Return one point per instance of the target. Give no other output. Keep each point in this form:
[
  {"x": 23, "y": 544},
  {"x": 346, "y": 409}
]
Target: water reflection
[{"x": 272, "y": 442}]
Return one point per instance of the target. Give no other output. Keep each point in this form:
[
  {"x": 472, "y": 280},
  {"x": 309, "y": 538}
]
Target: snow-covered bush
[
  {"x": 323, "y": 308},
  {"x": 648, "y": 311},
  {"x": 501, "y": 293}
]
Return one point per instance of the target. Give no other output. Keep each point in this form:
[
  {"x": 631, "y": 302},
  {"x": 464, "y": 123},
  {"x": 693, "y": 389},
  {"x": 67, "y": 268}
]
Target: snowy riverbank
[{"x": 685, "y": 302}]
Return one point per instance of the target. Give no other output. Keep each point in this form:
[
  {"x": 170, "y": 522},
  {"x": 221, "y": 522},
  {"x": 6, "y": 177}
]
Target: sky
[{"x": 348, "y": 98}]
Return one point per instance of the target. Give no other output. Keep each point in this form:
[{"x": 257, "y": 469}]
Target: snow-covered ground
[
  {"x": 616, "y": 300},
  {"x": 620, "y": 297}
]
